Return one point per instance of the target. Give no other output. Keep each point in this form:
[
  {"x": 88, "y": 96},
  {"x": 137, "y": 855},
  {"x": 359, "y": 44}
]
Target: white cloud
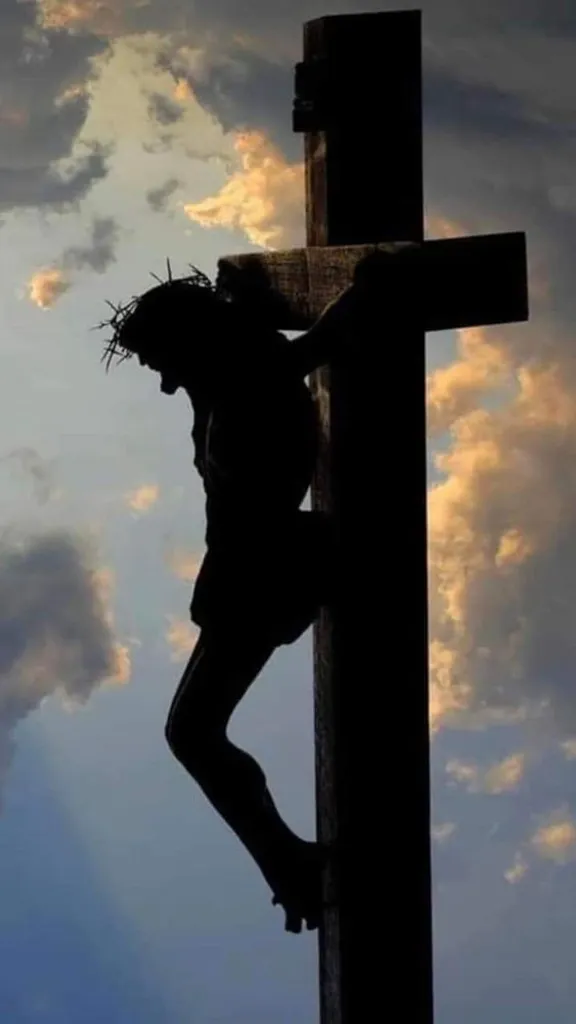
[
  {"x": 517, "y": 870},
  {"x": 442, "y": 833},
  {"x": 500, "y": 777},
  {"x": 568, "y": 748}
]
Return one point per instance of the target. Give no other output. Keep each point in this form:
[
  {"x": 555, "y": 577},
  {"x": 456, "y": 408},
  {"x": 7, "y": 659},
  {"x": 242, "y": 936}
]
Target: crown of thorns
[{"x": 122, "y": 313}]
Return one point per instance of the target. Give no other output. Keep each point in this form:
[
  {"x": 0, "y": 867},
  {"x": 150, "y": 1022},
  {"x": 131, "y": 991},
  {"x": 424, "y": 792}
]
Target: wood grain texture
[
  {"x": 355, "y": 195},
  {"x": 464, "y": 282}
]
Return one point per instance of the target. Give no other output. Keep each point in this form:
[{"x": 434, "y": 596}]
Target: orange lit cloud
[
  {"x": 73, "y": 92},
  {"x": 455, "y": 390},
  {"x": 501, "y": 777},
  {"x": 264, "y": 198},
  {"x": 181, "y": 636},
  {"x": 102, "y": 16},
  {"x": 122, "y": 666},
  {"x": 97, "y": 253},
  {"x": 556, "y": 840},
  {"x": 184, "y": 565},
  {"x": 103, "y": 580},
  {"x": 501, "y": 515},
  {"x": 183, "y": 91},
  {"x": 15, "y": 116},
  {"x": 46, "y": 286},
  {"x": 143, "y": 497},
  {"x": 437, "y": 226}
]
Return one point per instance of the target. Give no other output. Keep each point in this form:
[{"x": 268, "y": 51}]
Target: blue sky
[{"x": 130, "y": 133}]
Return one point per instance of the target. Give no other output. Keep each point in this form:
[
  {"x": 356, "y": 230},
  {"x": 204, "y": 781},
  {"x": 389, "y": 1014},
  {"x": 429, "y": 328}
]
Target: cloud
[
  {"x": 164, "y": 109},
  {"x": 500, "y": 153},
  {"x": 501, "y": 777},
  {"x": 184, "y": 564},
  {"x": 183, "y": 91},
  {"x": 556, "y": 839},
  {"x": 245, "y": 90},
  {"x": 40, "y": 472},
  {"x": 505, "y": 775},
  {"x": 181, "y": 636},
  {"x": 103, "y": 17},
  {"x": 517, "y": 870},
  {"x": 157, "y": 198},
  {"x": 441, "y": 833},
  {"x": 568, "y": 748},
  {"x": 264, "y": 198},
  {"x": 456, "y": 390},
  {"x": 44, "y": 104},
  {"x": 502, "y": 539},
  {"x": 100, "y": 252},
  {"x": 461, "y": 771},
  {"x": 143, "y": 498},
  {"x": 56, "y": 628},
  {"x": 47, "y": 285}
]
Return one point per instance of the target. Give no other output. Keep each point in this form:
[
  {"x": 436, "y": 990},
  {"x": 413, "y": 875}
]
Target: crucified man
[{"x": 268, "y": 566}]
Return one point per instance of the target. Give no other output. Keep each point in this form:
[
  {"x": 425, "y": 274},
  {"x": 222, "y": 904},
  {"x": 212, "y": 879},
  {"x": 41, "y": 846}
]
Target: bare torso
[{"x": 256, "y": 447}]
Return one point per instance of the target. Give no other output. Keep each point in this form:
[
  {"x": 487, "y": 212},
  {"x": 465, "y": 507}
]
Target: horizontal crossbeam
[{"x": 466, "y": 282}]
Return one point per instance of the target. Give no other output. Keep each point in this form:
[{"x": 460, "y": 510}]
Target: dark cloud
[
  {"x": 100, "y": 251},
  {"x": 43, "y": 107},
  {"x": 163, "y": 109},
  {"x": 55, "y": 635},
  {"x": 238, "y": 58},
  {"x": 241, "y": 90},
  {"x": 157, "y": 198},
  {"x": 37, "y": 469}
]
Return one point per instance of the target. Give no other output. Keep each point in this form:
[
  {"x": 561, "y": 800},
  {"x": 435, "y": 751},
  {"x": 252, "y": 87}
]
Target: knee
[
  {"x": 190, "y": 743},
  {"x": 179, "y": 740},
  {"x": 172, "y": 736}
]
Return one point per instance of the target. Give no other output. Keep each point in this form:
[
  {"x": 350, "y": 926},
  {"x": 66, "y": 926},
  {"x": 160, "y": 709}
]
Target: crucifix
[{"x": 359, "y": 105}]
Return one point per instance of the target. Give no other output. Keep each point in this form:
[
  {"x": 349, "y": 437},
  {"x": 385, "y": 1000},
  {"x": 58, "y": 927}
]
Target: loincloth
[{"x": 272, "y": 581}]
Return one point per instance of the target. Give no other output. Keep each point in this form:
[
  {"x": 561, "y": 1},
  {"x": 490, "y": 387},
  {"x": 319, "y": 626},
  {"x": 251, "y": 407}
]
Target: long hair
[{"x": 148, "y": 316}]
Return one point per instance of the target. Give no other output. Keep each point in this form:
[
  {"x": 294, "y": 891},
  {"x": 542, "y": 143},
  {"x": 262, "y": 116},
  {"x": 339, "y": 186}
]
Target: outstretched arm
[
  {"x": 382, "y": 289},
  {"x": 350, "y": 313}
]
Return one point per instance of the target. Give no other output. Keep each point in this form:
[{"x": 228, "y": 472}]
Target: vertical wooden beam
[{"x": 361, "y": 109}]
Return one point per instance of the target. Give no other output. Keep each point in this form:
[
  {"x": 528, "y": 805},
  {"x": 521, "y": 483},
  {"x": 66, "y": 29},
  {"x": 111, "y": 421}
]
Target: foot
[{"x": 300, "y": 893}]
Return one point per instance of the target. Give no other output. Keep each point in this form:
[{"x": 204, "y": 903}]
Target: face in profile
[
  {"x": 180, "y": 333},
  {"x": 170, "y": 379}
]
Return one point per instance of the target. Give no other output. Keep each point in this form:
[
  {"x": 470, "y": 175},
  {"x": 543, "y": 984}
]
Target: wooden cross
[{"x": 359, "y": 103}]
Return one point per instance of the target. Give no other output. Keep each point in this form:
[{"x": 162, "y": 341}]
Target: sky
[{"x": 132, "y": 132}]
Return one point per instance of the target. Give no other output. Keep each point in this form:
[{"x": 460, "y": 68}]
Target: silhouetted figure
[{"x": 268, "y": 565}]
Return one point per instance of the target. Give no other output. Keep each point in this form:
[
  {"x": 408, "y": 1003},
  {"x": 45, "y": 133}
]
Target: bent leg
[{"x": 217, "y": 676}]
